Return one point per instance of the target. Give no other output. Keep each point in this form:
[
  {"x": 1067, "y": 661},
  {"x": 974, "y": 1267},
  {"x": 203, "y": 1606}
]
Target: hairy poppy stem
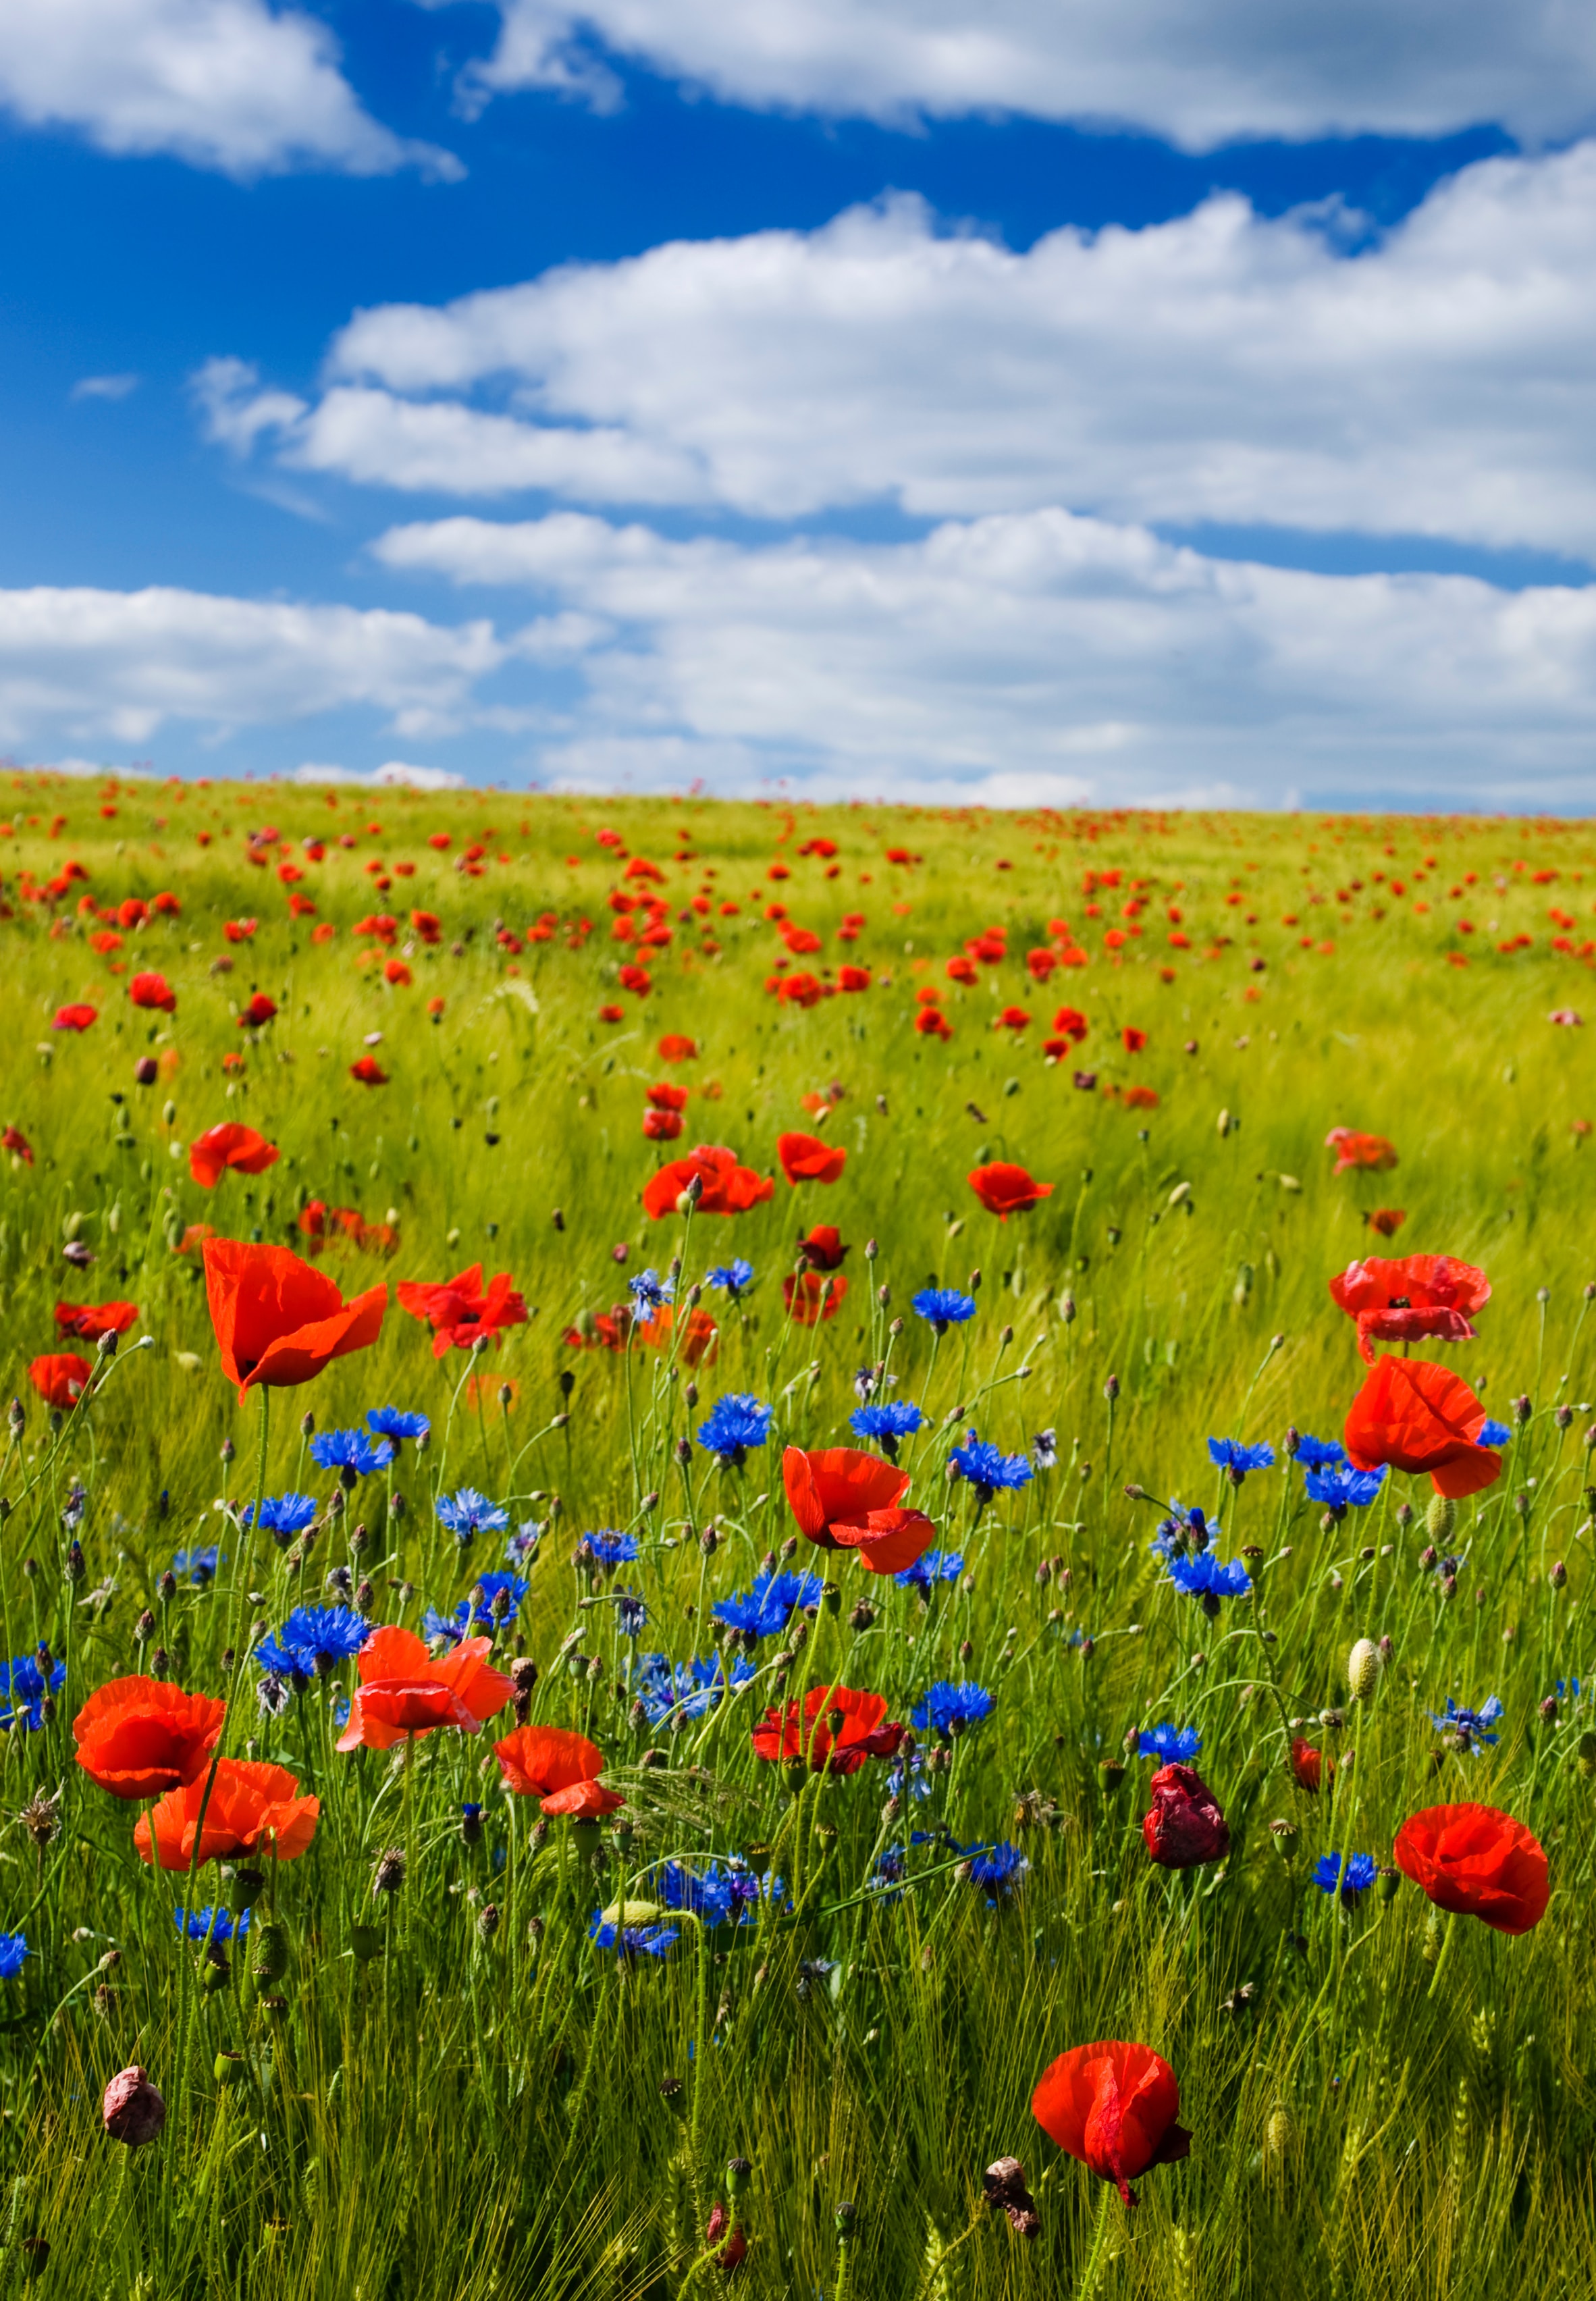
[
  {"x": 1088, "y": 2275},
  {"x": 1446, "y": 1945}
]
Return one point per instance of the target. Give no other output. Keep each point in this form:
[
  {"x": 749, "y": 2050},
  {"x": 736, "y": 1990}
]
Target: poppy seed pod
[
  {"x": 133, "y": 2111},
  {"x": 1363, "y": 1670}
]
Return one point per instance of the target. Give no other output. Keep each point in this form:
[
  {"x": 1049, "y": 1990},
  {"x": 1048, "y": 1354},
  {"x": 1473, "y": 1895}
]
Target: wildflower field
[{"x": 830, "y": 1553}]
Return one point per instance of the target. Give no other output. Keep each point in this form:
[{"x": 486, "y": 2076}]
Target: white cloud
[
  {"x": 104, "y": 387},
  {"x": 235, "y": 85},
  {"x": 397, "y": 774},
  {"x": 1198, "y": 75},
  {"x": 1223, "y": 367}
]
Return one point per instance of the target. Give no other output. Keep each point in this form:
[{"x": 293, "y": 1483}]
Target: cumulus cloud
[
  {"x": 104, "y": 387},
  {"x": 235, "y": 85},
  {"x": 394, "y": 774},
  {"x": 1225, "y": 367},
  {"x": 1198, "y": 76}
]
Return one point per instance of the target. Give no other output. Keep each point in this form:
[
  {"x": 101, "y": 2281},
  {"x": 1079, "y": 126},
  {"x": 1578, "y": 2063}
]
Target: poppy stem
[
  {"x": 1446, "y": 1945},
  {"x": 1088, "y": 2275}
]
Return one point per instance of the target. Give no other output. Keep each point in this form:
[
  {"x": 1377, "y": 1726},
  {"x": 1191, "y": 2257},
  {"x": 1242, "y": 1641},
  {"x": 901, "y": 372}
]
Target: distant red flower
[
  {"x": 676, "y": 1047},
  {"x": 1387, "y": 1220},
  {"x": 1140, "y": 1098},
  {"x": 700, "y": 1334},
  {"x": 604, "y": 1330},
  {"x": 428, "y": 926},
  {"x": 1004, "y": 1190},
  {"x": 664, "y": 1096},
  {"x": 809, "y": 1296},
  {"x": 806, "y": 1159},
  {"x": 74, "y": 1018},
  {"x": 369, "y": 1071},
  {"x": 14, "y": 1140},
  {"x": 1012, "y": 1018},
  {"x": 1354, "y": 1151},
  {"x": 1072, "y": 1023},
  {"x": 728, "y": 1189},
  {"x": 853, "y": 978},
  {"x": 403, "y": 1690},
  {"x": 277, "y": 1322},
  {"x": 822, "y": 1247},
  {"x": 153, "y": 990},
  {"x": 839, "y": 1728},
  {"x": 612, "y": 1013},
  {"x": 1478, "y": 1861},
  {"x": 1309, "y": 1765},
  {"x": 195, "y": 1236},
  {"x": 89, "y": 1321},
  {"x": 1133, "y": 1039},
  {"x": 259, "y": 1012},
  {"x": 228, "y": 1145},
  {"x": 962, "y": 969},
  {"x": 60, "y": 1378},
  {"x": 662, "y": 1125},
  {"x": 635, "y": 979},
  {"x": 561, "y": 1768},
  {"x": 931, "y": 1023},
  {"x": 1115, "y": 2107},
  {"x": 238, "y": 930},
  {"x": 1183, "y": 1826},
  {"x": 1415, "y": 1298},
  {"x": 396, "y": 972},
  {"x": 139, "y": 1736},
  {"x": 252, "y": 1808},
  {"x": 1417, "y": 1416},
  {"x": 460, "y": 1308}
]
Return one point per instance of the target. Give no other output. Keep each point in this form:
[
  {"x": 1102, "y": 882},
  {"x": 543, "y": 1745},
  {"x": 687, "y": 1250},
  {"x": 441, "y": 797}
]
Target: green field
[{"x": 451, "y": 2088}]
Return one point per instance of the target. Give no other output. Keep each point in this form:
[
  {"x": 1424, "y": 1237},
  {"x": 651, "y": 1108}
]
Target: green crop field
[{"x": 743, "y": 1978}]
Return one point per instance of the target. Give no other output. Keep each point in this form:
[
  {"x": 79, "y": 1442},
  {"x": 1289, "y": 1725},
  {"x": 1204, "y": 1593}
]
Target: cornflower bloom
[
  {"x": 933, "y": 1566},
  {"x": 631, "y": 1614},
  {"x": 733, "y": 1278},
  {"x": 1359, "y": 1875},
  {"x": 1172, "y": 1745},
  {"x": 650, "y": 1291},
  {"x": 14, "y": 1949},
  {"x": 1209, "y": 1579},
  {"x": 607, "y": 1550},
  {"x": 1469, "y": 1726},
  {"x": 736, "y": 1422},
  {"x": 1341, "y": 1487},
  {"x": 199, "y": 1565},
  {"x": 1318, "y": 1453},
  {"x": 988, "y": 1468},
  {"x": 998, "y": 1867},
  {"x": 951, "y": 1709},
  {"x": 466, "y": 1513},
  {"x": 283, "y": 1516},
  {"x": 1229, "y": 1454},
  {"x": 767, "y": 1609},
  {"x": 313, "y": 1641},
  {"x": 631, "y": 1942},
  {"x": 26, "y": 1685},
  {"x": 212, "y": 1925},
  {"x": 689, "y": 1691},
  {"x": 351, "y": 1453},
  {"x": 942, "y": 1307},
  {"x": 388, "y": 1422},
  {"x": 888, "y": 1424},
  {"x": 476, "y": 1609}
]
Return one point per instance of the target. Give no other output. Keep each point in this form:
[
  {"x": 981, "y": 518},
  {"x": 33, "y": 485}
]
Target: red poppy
[
  {"x": 278, "y": 1322},
  {"x": 700, "y": 1335},
  {"x": 664, "y": 1096},
  {"x": 1004, "y": 1190},
  {"x": 89, "y": 1321},
  {"x": 1416, "y": 1298},
  {"x": 74, "y": 1018},
  {"x": 228, "y": 1145},
  {"x": 238, "y": 930},
  {"x": 558, "y": 1767},
  {"x": 1478, "y": 1861},
  {"x": 14, "y": 1140},
  {"x": 961, "y": 969},
  {"x": 846, "y": 1500},
  {"x": 839, "y": 1729},
  {"x": 153, "y": 990},
  {"x": 728, "y": 1189},
  {"x": 139, "y": 1736},
  {"x": 932, "y": 1024},
  {"x": 1133, "y": 1039},
  {"x": 1012, "y": 1018},
  {"x": 462, "y": 1308},
  {"x": 806, "y": 1159},
  {"x": 61, "y": 1378},
  {"x": 1183, "y": 1826},
  {"x": 1354, "y": 1150},
  {"x": 252, "y": 1808},
  {"x": 660, "y": 1125},
  {"x": 822, "y": 1248},
  {"x": 369, "y": 1071},
  {"x": 1140, "y": 1098},
  {"x": 1309, "y": 1765},
  {"x": 1072, "y": 1023},
  {"x": 259, "y": 1011},
  {"x": 403, "y": 1690},
  {"x": 612, "y": 1013},
  {"x": 1417, "y": 1416},
  {"x": 602, "y": 1330},
  {"x": 676, "y": 1047},
  {"x": 853, "y": 978},
  {"x": 1116, "y": 2107},
  {"x": 809, "y": 1297},
  {"x": 1387, "y": 1220}
]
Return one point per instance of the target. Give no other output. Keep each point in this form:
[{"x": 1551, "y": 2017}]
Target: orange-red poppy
[
  {"x": 14, "y": 1140},
  {"x": 676, "y": 1047},
  {"x": 822, "y": 1248},
  {"x": 700, "y": 1334},
  {"x": 664, "y": 1096},
  {"x": 558, "y": 1767},
  {"x": 1308, "y": 1766},
  {"x": 838, "y": 1729},
  {"x": 1004, "y": 1190},
  {"x": 89, "y": 1321},
  {"x": 846, "y": 1500},
  {"x": 404, "y": 1690},
  {"x": 61, "y": 1377},
  {"x": 1355, "y": 1152},
  {"x": 806, "y": 1159},
  {"x": 1413, "y": 1297},
  {"x": 462, "y": 1307},
  {"x": 252, "y": 1808},
  {"x": 1417, "y": 1416},
  {"x": 228, "y": 1145},
  {"x": 153, "y": 990},
  {"x": 728, "y": 1189},
  {"x": 368, "y": 1072},
  {"x": 139, "y": 1736},
  {"x": 77, "y": 1017},
  {"x": 1477, "y": 1860},
  {"x": 278, "y": 1322},
  {"x": 1116, "y": 2107}
]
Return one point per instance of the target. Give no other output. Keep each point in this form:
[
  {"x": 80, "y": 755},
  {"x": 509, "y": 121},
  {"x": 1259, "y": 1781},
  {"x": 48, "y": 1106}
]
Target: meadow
[{"x": 687, "y": 1858}]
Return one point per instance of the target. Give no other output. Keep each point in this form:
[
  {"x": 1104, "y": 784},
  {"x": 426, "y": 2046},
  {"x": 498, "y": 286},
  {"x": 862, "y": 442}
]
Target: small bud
[
  {"x": 1363, "y": 1670},
  {"x": 133, "y": 2112},
  {"x": 1441, "y": 1518},
  {"x": 1558, "y": 1575},
  {"x": 487, "y": 1922},
  {"x": 1548, "y": 1708},
  {"x": 1111, "y": 1388},
  {"x": 389, "y": 1874},
  {"x": 738, "y": 2171}
]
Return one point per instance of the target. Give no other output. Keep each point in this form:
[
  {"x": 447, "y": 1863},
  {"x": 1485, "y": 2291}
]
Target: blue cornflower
[
  {"x": 1172, "y": 1745},
  {"x": 736, "y": 1422},
  {"x": 945, "y": 1708},
  {"x": 1230, "y": 1454},
  {"x": 943, "y": 1307},
  {"x": 351, "y": 1453},
  {"x": 480, "y": 1617},
  {"x": 631, "y": 1941},
  {"x": 734, "y": 1277},
  {"x": 1493, "y": 1434},
  {"x": 932, "y": 1566},
  {"x": 314, "y": 1641},
  {"x": 1209, "y": 1579},
  {"x": 199, "y": 1565},
  {"x": 1318, "y": 1453},
  {"x": 649, "y": 1291},
  {"x": 608, "y": 1549},
  {"x": 25, "y": 1683},
  {"x": 1570, "y": 1689},
  {"x": 1468, "y": 1724},
  {"x": 765, "y": 1612},
  {"x": 716, "y": 1896},
  {"x": 690, "y": 1690},
  {"x": 466, "y": 1512},
  {"x": 988, "y": 1467},
  {"x": 1343, "y": 1486},
  {"x": 893, "y": 1862},
  {"x": 912, "y": 1778},
  {"x": 388, "y": 1422},
  {"x": 75, "y": 1506},
  {"x": 1001, "y": 1866},
  {"x": 522, "y": 1549},
  {"x": 283, "y": 1516},
  {"x": 14, "y": 1949},
  {"x": 1359, "y": 1875},
  {"x": 211, "y": 1924},
  {"x": 1169, "y": 1539},
  {"x": 632, "y": 1615},
  {"x": 889, "y": 1424}
]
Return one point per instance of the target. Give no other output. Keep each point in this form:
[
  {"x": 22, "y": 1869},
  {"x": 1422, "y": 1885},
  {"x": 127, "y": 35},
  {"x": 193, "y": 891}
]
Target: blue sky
[{"x": 898, "y": 396}]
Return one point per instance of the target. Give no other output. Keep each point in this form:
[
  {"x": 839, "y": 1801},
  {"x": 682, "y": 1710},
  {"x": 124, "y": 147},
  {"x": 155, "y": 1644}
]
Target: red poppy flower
[
  {"x": 1012, "y": 1018},
  {"x": 369, "y": 1071},
  {"x": 396, "y": 972},
  {"x": 839, "y": 1729},
  {"x": 1183, "y": 1826},
  {"x": 238, "y": 930},
  {"x": 60, "y": 1378},
  {"x": 1418, "y": 1416},
  {"x": 728, "y": 1189},
  {"x": 806, "y": 1159},
  {"x": 700, "y": 1335},
  {"x": 74, "y": 1018},
  {"x": 560, "y": 1768},
  {"x": 1354, "y": 1150},
  {"x": 1072, "y": 1023},
  {"x": 153, "y": 990},
  {"x": 961, "y": 969},
  {"x": 822, "y": 1247},
  {"x": 14, "y": 1140},
  {"x": 664, "y": 1096},
  {"x": 853, "y": 978},
  {"x": 676, "y": 1047},
  {"x": 89, "y": 1321},
  {"x": 253, "y": 1808},
  {"x": 462, "y": 1308},
  {"x": 278, "y": 1322},
  {"x": 403, "y": 1690},
  {"x": 660, "y": 1125},
  {"x": 1133, "y": 1039},
  {"x": 1116, "y": 2107},
  {"x": 810, "y": 1297},
  {"x": 1387, "y": 1220},
  {"x": 1004, "y": 1190},
  {"x": 1477, "y": 1860},
  {"x": 1309, "y": 1765},
  {"x": 1415, "y": 1298},
  {"x": 846, "y": 1500},
  {"x": 228, "y": 1145},
  {"x": 1140, "y": 1098},
  {"x": 932, "y": 1024},
  {"x": 259, "y": 1011},
  {"x": 139, "y": 1736},
  {"x": 604, "y": 1330},
  {"x": 612, "y": 1013}
]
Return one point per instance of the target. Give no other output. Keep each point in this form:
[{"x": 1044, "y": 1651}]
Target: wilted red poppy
[
  {"x": 253, "y": 1808},
  {"x": 1116, "y": 2107},
  {"x": 811, "y": 1296},
  {"x": 846, "y": 1500},
  {"x": 1355, "y": 1151},
  {"x": 1004, "y": 1190},
  {"x": 840, "y": 1727},
  {"x": 153, "y": 990},
  {"x": 278, "y": 1322},
  {"x": 259, "y": 1011},
  {"x": 728, "y": 1189},
  {"x": 1415, "y": 1298},
  {"x": 806, "y": 1159},
  {"x": 462, "y": 1308},
  {"x": 139, "y": 1736},
  {"x": 1477, "y": 1861},
  {"x": 676, "y": 1047},
  {"x": 14, "y": 1140},
  {"x": 89, "y": 1321},
  {"x": 228, "y": 1145},
  {"x": 1387, "y": 1220},
  {"x": 60, "y": 1378},
  {"x": 368, "y": 1072},
  {"x": 822, "y": 1247},
  {"x": 74, "y": 1018},
  {"x": 1417, "y": 1416},
  {"x": 558, "y": 1767},
  {"x": 403, "y": 1690},
  {"x": 1183, "y": 1826},
  {"x": 1309, "y": 1765}
]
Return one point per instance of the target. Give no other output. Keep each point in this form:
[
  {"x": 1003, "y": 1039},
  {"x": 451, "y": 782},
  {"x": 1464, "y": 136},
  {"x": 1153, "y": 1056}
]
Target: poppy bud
[
  {"x": 268, "y": 1951},
  {"x": 1184, "y": 1825},
  {"x": 1363, "y": 1670},
  {"x": 847, "y": 2214},
  {"x": 1441, "y": 1517},
  {"x": 366, "y": 1942},
  {"x": 245, "y": 1888},
  {"x": 133, "y": 2111}
]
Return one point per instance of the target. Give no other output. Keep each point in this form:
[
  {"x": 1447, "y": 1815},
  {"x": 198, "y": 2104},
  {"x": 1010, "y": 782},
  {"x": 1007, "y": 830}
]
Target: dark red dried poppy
[
  {"x": 259, "y": 1012},
  {"x": 1004, "y": 1190},
  {"x": 1409, "y": 1299},
  {"x": 1477, "y": 1860},
  {"x": 1116, "y": 2107},
  {"x": 1417, "y": 1416},
  {"x": 1387, "y": 1220},
  {"x": 1183, "y": 1826}
]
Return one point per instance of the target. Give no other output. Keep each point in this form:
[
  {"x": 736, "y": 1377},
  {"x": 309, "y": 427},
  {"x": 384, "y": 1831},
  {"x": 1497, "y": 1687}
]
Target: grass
[{"x": 1379, "y": 2104}]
